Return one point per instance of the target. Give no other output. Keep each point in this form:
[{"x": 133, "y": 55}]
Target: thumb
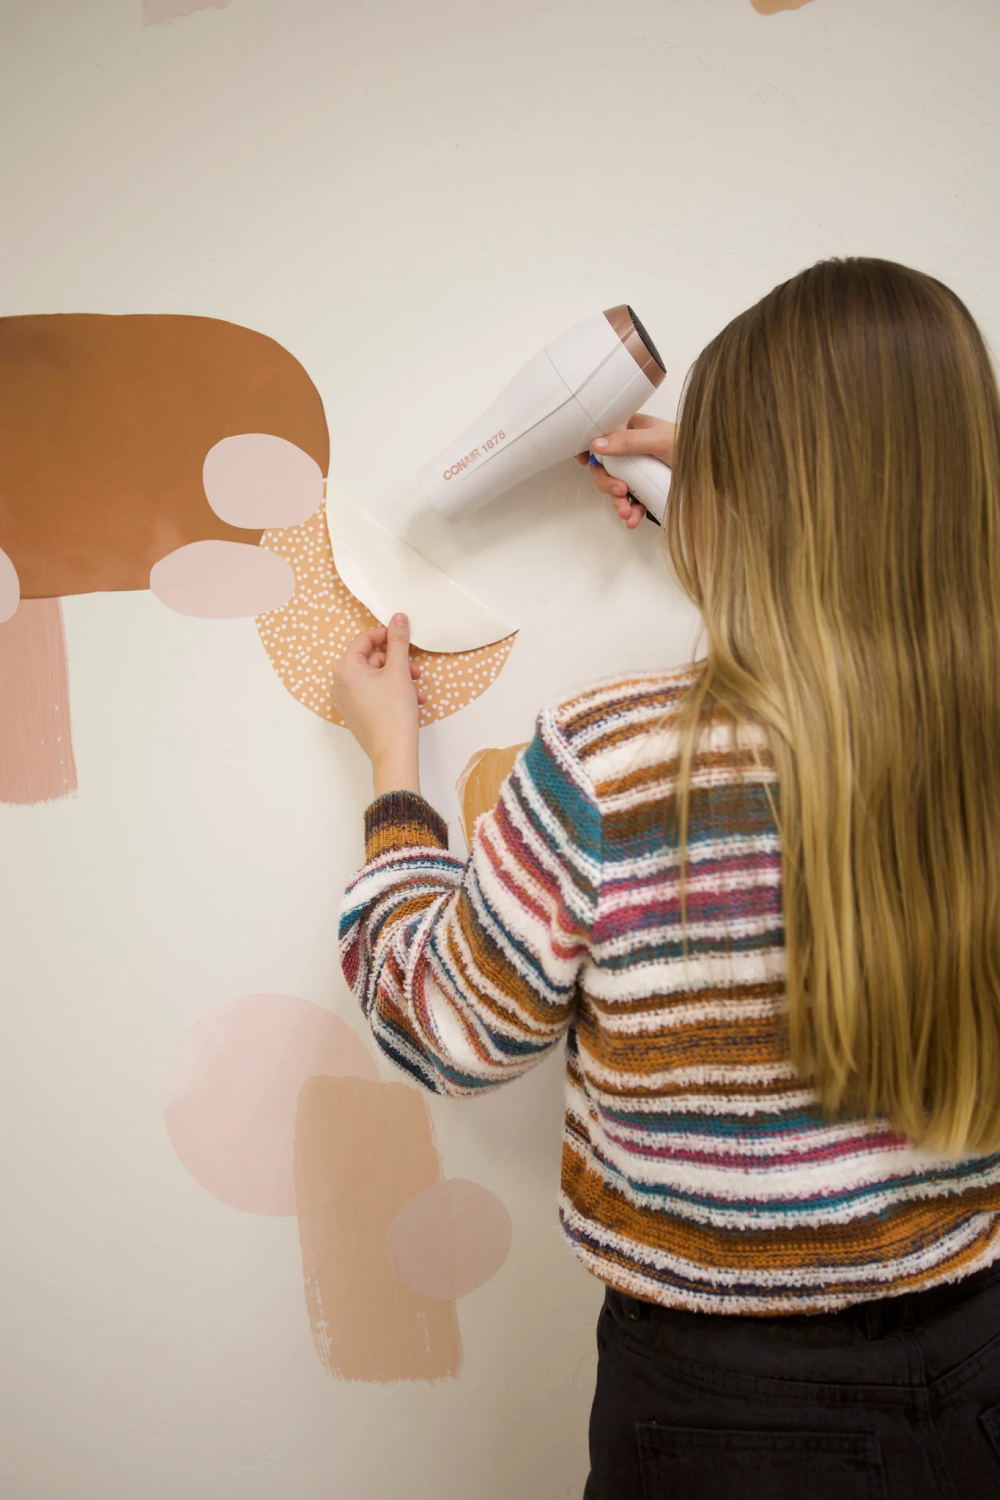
[
  {"x": 644, "y": 434},
  {"x": 397, "y": 646},
  {"x": 630, "y": 441}
]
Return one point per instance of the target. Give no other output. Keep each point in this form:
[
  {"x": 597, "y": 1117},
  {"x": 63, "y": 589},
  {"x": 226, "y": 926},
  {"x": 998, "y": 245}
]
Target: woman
[{"x": 760, "y": 897}]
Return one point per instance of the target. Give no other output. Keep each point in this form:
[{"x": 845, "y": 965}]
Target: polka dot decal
[{"x": 308, "y": 634}]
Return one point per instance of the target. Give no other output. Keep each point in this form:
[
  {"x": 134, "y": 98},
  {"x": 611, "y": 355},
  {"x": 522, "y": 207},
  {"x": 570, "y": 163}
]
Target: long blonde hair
[{"x": 835, "y": 516}]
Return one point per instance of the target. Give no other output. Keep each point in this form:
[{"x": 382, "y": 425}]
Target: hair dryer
[{"x": 583, "y": 385}]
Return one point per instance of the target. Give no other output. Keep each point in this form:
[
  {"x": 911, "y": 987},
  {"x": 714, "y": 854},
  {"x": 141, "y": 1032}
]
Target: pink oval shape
[
  {"x": 259, "y": 481},
  {"x": 449, "y": 1240},
  {"x": 222, "y": 580},
  {"x": 234, "y": 1089},
  {"x": 10, "y": 588}
]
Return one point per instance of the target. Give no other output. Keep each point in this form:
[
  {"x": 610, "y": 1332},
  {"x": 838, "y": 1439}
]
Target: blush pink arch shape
[{"x": 232, "y": 1095}]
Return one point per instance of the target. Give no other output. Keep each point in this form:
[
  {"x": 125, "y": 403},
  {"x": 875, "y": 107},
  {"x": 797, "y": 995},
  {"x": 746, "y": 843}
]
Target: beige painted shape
[
  {"x": 36, "y": 744},
  {"x": 479, "y": 785},
  {"x": 156, "y": 11},
  {"x": 450, "y": 1239},
  {"x": 309, "y": 634},
  {"x": 771, "y": 7},
  {"x": 366, "y": 1324}
]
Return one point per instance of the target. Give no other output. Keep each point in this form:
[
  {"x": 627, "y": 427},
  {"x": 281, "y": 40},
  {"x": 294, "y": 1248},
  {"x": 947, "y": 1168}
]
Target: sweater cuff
[{"x": 402, "y": 820}]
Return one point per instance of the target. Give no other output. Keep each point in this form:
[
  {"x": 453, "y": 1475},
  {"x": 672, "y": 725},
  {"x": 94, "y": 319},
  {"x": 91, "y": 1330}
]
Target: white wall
[{"x": 411, "y": 198}]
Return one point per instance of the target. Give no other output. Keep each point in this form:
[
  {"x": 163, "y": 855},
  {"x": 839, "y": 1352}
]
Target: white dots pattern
[{"x": 308, "y": 634}]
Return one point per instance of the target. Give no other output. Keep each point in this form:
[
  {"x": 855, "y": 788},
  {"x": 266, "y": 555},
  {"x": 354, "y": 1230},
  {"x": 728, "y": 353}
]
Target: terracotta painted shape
[
  {"x": 155, "y": 11},
  {"x": 306, "y": 637},
  {"x": 771, "y": 7},
  {"x": 255, "y": 479},
  {"x": 36, "y": 745},
  {"x": 367, "y": 1324},
  {"x": 222, "y": 580},
  {"x": 479, "y": 785},
  {"x": 232, "y": 1096},
  {"x": 450, "y": 1239},
  {"x": 105, "y": 422},
  {"x": 10, "y": 588}
]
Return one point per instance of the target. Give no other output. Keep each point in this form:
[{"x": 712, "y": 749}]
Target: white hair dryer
[{"x": 583, "y": 385}]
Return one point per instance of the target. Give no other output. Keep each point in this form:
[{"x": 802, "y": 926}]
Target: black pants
[{"x": 892, "y": 1400}]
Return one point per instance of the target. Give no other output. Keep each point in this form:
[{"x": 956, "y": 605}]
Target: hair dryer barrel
[{"x": 584, "y": 384}]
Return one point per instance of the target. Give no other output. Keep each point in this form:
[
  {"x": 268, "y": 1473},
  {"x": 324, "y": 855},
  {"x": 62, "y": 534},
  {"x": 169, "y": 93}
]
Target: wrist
[{"x": 397, "y": 771}]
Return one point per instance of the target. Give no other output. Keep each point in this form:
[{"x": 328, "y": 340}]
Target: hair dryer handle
[{"x": 647, "y": 478}]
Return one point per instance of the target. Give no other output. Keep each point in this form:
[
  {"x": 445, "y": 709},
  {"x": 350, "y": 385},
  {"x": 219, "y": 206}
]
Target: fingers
[
  {"x": 397, "y": 646},
  {"x": 643, "y": 435},
  {"x": 363, "y": 645},
  {"x": 377, "y": 659}
]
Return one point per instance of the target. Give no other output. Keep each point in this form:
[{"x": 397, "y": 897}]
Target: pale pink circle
[
  {"x": 10, "y": 588},
  {"x": 260, "y": 481},
  {"x": 232, "y": 1095},
  {"x": 449, "y": 1239},
  {"x": 216, "y": 580}
]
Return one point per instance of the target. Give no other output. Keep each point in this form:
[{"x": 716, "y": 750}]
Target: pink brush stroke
[
  {"x": 232, "y": 1099},
  {"x": 449, "y": 1240},
  {"x": 36, "y": 742},
  {"x": 156, "y": 11}
]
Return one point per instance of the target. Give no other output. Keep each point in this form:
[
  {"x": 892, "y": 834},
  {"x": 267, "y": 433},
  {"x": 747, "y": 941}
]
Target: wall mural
[
  {"x": 275, "y": 1106},
  {"x": 185, "y": 455}
]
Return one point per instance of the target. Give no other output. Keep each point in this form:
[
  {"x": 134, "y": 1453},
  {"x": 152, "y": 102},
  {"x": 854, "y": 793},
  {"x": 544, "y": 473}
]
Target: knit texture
[{"x": 697, "y": 1170}]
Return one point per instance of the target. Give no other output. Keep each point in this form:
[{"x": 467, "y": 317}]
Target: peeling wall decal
[
  {"x": 222, "y": 580},
  {"x": 36, "y": 746},
  {"x": 256, "y": 479},
  {"x": 367, "y": 1325},
  {"x": 10, "y": 588},
  {"x": 306, "y": 637},
  {"x": 771, "y": 7},
  {"x": 450, "y": 1239},
  {"x": 156, "y": 11},
  {"x": 231, "y": 1103},
  {"x": 478, "y": 787},
  {"x": 105, "y": 423},
  {"x": 386, "y": 574}
]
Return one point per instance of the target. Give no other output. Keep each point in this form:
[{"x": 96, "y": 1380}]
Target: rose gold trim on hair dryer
[{"x": 637, "y": 341}]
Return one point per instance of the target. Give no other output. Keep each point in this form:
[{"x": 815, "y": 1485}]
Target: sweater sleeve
[{"x": 467, "y": 973}]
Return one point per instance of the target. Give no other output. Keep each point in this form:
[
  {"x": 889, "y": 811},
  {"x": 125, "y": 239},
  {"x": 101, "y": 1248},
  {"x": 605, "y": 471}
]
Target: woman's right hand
[{"x": 648, "y": 435}]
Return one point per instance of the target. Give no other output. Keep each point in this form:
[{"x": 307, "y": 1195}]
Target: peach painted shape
[
  {"x": 450, "y": 1239},
  {"x": 232, "y": 1094},
  {"x": 771, "y": 7},
  {"x": 36, "y": 741},
  {"x": 10, "y": 588},
  {"x": 479, "y": 785},
  {"x": 256, "y": 480},
  {"x": 155, "y": 11},
  {"x": 306, "y": 636},
  {"x": 367, "y": 1325},
  {"x": 222, "y": 580}
]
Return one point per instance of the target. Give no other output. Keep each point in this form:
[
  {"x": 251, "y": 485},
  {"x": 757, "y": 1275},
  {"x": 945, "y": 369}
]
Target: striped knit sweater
[{"x": 697, "y": 1170}]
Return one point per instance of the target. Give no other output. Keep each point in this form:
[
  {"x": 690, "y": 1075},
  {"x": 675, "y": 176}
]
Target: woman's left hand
[{"x": 376, "y": 694}]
